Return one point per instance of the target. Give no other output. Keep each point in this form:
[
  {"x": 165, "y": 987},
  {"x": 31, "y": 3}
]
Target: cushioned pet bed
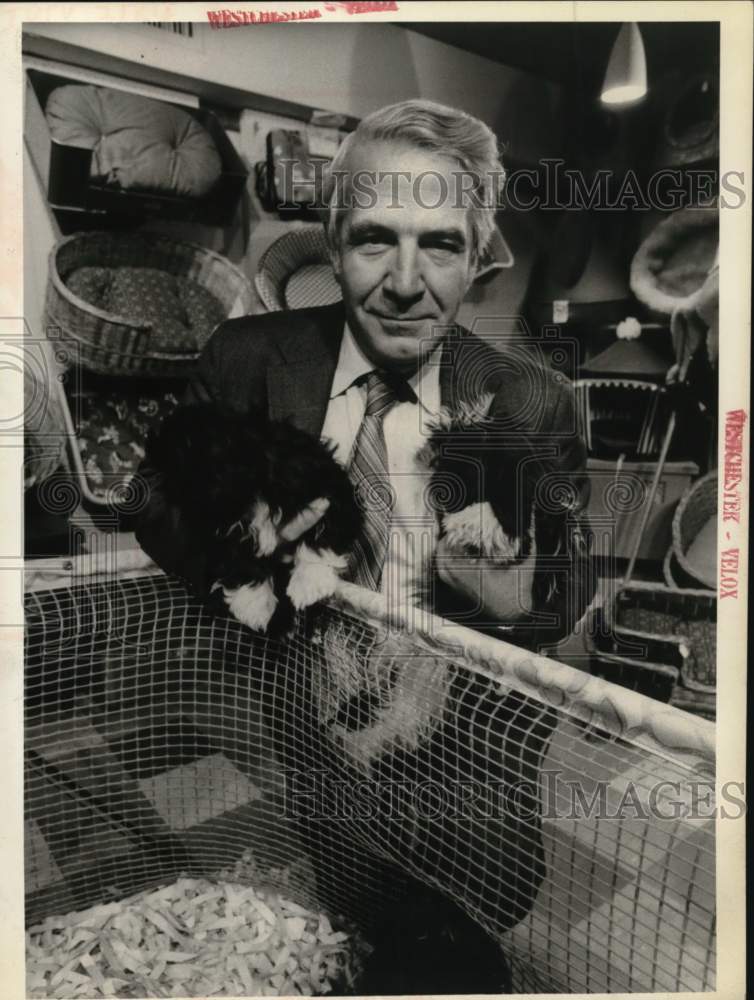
[{"x": 137, "y": 143}]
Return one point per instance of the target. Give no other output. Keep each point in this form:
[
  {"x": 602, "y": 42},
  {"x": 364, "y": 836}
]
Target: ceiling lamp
[{"x": 626, "y": 75}]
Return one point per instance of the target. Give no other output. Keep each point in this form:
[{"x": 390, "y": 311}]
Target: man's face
[{"x": 404, "y": 259}]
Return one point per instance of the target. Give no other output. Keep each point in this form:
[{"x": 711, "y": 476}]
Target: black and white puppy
[
  {"x": 237, "y": 479},
  {"x": 483, "y": 484}
]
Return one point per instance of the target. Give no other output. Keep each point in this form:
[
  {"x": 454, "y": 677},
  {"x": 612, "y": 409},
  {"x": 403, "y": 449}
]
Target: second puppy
[{"x": 483, "y": 484}]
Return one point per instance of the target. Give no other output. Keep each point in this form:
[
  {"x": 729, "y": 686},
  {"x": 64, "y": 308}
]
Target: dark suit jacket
[{"x": 284, "y": 362}]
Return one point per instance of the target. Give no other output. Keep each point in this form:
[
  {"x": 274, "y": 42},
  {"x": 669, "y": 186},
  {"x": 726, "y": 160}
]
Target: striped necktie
[{"x": 369, "y": 474}]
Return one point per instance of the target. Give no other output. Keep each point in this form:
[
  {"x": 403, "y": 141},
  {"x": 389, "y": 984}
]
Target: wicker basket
[
  {"x": 694, "y": 510},
  {"x": 295, "y": 271},
  {"x": 650, "y": 624},
  {"x": 114, "y": 345},
  {"x": 654, "y": 680},
  {"x": 674, "y": 574}
]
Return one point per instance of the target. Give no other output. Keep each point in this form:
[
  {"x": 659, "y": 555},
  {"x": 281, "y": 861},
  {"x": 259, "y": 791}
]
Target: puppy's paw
[
  {"x": 476, "y": 530},
  {"x": 314, "y": 576},
  {"x": 252, "y": 605}
]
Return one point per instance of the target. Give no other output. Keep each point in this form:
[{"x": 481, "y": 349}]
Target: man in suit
[{"x": 410, "y": 206}]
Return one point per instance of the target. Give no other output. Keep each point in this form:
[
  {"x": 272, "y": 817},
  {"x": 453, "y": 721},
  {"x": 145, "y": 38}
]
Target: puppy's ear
[
  {"x": 511, "y": 485},
  {"x": 152, "y": 448},
  {"x": 159, "y": 449},
  {"x": 179, "y": 451}
]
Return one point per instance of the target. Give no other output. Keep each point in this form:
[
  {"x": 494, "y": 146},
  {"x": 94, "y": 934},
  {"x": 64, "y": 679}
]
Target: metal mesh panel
[{"x": 357, "y": 758}]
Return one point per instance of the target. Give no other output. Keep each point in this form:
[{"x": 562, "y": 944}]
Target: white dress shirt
[{"x": 413, "y": 526}]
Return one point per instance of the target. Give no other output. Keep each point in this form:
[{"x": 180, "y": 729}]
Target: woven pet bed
[
  {"x": 695, "y": 511},
  {"x": 118, "y": 344},
  {"x": 295, "y": 272}
]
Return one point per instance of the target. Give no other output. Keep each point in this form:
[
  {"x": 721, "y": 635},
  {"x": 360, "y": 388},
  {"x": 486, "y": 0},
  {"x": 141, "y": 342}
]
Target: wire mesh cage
[{"x": 162, "y": 741}]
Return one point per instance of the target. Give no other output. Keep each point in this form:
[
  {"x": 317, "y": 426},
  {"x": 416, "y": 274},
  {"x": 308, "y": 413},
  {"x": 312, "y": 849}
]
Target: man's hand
[
  {"x": 501, "y": 592},
  {"x": 302, "y": 522}
]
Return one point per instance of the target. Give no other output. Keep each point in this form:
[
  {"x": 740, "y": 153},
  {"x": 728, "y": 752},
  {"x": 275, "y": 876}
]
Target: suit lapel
[
  {"x": 300, "y": 393},
  {"x": 469, "y": 368},
  {"x": 457, "y": 342},
  {"x": 298, "y": 389},
  {"x": 447, "y": 383}
]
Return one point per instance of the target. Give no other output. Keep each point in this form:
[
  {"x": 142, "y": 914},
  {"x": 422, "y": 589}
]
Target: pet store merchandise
[
  {"x": 136, "y": 308},
  {"x": 674, "y": 622},
  {"x": 100, "y": 149},
  {"x": 659, "y": 638}
]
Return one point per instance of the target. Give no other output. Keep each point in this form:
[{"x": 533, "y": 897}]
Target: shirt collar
[{"x": 353, "y": 364}]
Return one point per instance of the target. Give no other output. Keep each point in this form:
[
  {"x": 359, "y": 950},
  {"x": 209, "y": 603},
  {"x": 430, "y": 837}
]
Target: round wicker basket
[
  {"x": 695, "y": 508},
  {"x": 295, "y": 271},
  {"x": 113, "y": 344},
  {"x": 670, "y": 571}
]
